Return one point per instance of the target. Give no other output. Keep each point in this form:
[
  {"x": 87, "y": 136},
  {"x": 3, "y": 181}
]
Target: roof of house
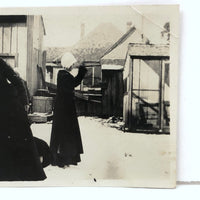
[
  {"x": 121, "y": 40},
  {"x": 93, "y": 45},
  {"x": 54, "y": 52},
  {"x": 116, "y": 54},
  {"x": 12, "y": 18}
]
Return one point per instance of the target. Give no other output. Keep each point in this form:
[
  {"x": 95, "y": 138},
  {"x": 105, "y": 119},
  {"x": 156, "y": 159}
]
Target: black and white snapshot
[{"x": 88, "y": 96}]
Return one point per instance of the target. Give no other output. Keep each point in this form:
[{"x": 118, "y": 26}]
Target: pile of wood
[{"x": 40, "y": 117}]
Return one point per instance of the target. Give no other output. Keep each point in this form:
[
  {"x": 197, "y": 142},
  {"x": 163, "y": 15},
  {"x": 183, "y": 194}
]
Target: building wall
[
  {"x": 126, "y": 80},
  {"x": 21, "y": 45},
  {"x": 55, "y": 75},
  {"x": 13, "y": 45},
  {"x": 146, "y": 96},
  {"x": 112, "y": 92},
  {"x": 35, "y": 54},
  {"x": 146, "y": 76}
]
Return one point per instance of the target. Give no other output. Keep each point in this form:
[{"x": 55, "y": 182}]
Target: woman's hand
[
  {"x": 82, "y": 68},
  {"x": 77, "y": 64}
]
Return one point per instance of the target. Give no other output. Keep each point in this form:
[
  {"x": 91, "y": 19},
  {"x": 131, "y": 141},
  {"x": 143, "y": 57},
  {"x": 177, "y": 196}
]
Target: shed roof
[{"x": 159, "y": 50}]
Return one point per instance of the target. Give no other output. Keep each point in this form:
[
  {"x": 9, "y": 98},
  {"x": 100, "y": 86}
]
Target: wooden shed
[
  {"x": 112, "y": 63},
  {"x": 21, "y": 45},
  {"x": 146, "y": 88}
]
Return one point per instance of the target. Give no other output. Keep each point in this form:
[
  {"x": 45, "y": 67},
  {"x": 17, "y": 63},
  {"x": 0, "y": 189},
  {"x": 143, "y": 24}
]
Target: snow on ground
[{"x": 130, "y": 159}]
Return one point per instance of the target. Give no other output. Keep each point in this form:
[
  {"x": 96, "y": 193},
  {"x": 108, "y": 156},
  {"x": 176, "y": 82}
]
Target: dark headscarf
[
  {"x": 9, "y": 77},
  {"x": 3, "y": 79}
]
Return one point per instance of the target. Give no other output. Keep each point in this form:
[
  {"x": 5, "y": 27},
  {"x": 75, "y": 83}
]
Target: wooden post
[
  {"x": 93, "y": 76},
  {"x": 11, "y": 39},
  {"x": 161, "y": 96},
  {"x": 30, "y": 21},
  {"x": 2, "y": 38},
  {"x": 44, "y": 55},
  {"x": 130, "y": 94}
]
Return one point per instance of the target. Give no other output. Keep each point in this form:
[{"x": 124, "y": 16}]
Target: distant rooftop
[
  {"x": 116, "y": 54},
  {"x": 92, "y": 46}
]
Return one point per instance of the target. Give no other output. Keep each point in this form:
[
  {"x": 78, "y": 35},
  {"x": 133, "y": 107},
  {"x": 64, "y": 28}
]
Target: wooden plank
[
  {"x": 42, "y": 79},
  {"x": 44, "y": 55},
  {"x": 120, "y": 93},
  {"x": 148, "y": 50},
  {"x": 93, "y": 76},
  {"x": 14, "y": 40},
  {"x": 107, "y": 94},
  {"x": 95, "y": 101},
  {"x": 51, "y": 85},
  {"x": 6, "y": 39},
  {"x": 22, "y": 49},
  {"x": 7, "y": 55},
  {"x": 113, "y": 94},
  {"x": 162, "y": 95},
  {"x": 152, "y": 90},
  {"x": 1, "y": 39},
  {"x": 150, "y": 105},
  {"x": 36, "y": 81},
  {"x": 10, "y": 38},
  {"x": 42, "y": 104},
  {"x": 91, "y": 63},
  {"x": 37, "y": 118},
  {"x": 130, "y": 93},
  {"x": 29, "y": 52},
  {"x": 12, "y": 19}
]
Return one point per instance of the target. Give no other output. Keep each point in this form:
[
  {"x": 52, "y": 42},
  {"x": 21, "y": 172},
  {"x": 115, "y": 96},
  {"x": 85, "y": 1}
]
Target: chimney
[
  {"x": 82, "y": 31},
  {"x": 128, "y": 25}
]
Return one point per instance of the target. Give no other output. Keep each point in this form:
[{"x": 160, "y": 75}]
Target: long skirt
[{"x": 66, "y": 144}]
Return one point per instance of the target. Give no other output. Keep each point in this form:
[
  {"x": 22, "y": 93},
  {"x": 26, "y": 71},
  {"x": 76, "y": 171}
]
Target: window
[{"x": 92, "y": 77}]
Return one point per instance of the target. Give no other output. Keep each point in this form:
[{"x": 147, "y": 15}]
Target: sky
[{"x": 63, "y": 24}]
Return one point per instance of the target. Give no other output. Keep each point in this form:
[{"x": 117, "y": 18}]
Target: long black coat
[
  {"x": 66, "y": 145},
  {"x": 19, "y": 159}
]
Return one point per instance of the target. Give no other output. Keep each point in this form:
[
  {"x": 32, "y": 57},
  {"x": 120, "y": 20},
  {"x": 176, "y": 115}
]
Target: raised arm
[
  {"x": 81, "y": 73},
  {"x": 7, "y": 72}
]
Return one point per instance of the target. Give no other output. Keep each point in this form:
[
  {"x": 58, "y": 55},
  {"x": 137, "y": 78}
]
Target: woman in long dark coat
[
  {"x": 66, "y": 145},
  {"x": 19, "y": 159}
]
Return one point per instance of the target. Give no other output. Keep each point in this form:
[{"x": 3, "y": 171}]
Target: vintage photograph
[{"x": 88, "y": 96}]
